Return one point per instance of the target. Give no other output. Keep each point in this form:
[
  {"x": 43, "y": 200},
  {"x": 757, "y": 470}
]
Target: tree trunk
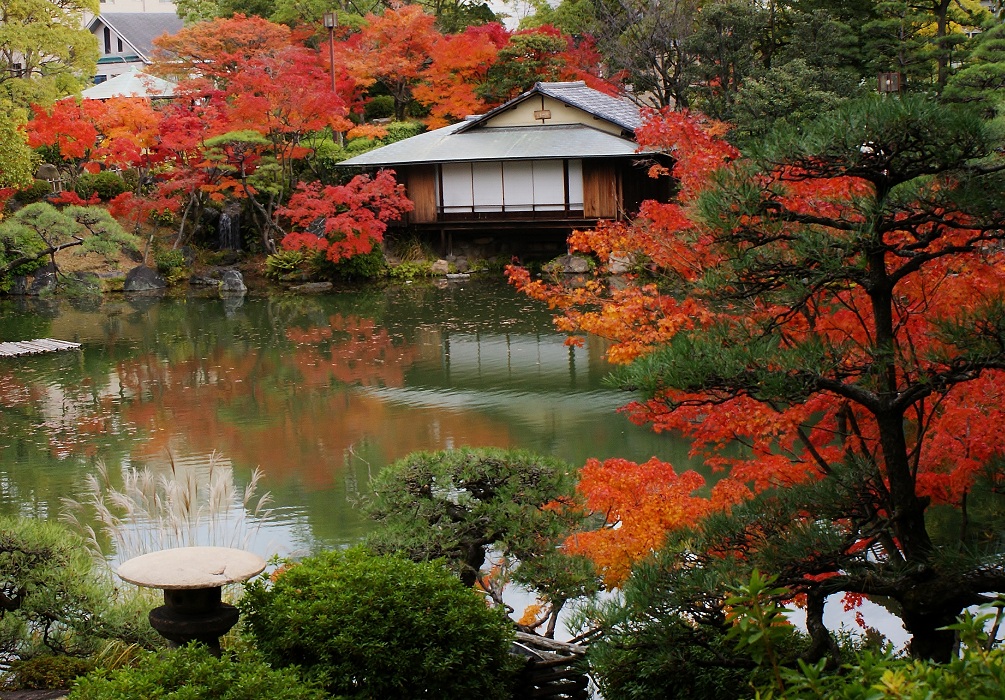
[
  {"x": 928, "y": 638},
  {"x": 473, "y": 560},
  {"x": 821, "y": 642},
  {"x": 941, "y": 30}
]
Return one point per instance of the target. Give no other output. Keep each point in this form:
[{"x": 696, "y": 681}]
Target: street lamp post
[{"x": 331, "y": 21}]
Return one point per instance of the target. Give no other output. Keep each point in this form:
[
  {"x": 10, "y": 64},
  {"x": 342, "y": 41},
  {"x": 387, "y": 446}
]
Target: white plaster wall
[{"x": 522, "y": 114}]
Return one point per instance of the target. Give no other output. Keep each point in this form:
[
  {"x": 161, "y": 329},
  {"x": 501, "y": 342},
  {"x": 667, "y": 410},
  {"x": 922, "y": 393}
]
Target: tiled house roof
[
  {"x": 617, "y": 111},
  {"x": 575, "y": 94},
  {"x": 140, "y": 29}
]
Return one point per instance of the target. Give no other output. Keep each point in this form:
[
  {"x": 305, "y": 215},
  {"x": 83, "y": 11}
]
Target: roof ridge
[{"x": 563, "y": 83}]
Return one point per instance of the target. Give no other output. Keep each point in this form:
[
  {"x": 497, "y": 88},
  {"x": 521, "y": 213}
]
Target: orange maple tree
[
  {"x": 391, "y": 49},
  {"x": 458, "y": 65},
  {"x": 218, "y": 49},
  {"x": 834, "y": 306}
]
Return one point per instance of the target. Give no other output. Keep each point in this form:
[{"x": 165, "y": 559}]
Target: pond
[{"x": 319, "y": 392}]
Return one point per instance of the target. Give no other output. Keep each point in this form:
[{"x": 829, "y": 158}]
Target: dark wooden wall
[
  {"x": 601, "y": 189},
  {"x": 420, "y": 186}
]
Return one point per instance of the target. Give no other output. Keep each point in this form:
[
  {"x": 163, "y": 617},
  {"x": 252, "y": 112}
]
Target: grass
[{"x": 182, "y": 508}]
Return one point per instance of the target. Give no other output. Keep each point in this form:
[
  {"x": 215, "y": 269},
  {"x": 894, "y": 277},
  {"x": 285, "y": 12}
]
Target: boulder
[
  {"x": 44, "y": 281},
  {"x": 87, "y": 282},
  {"x": 143, "y": 279},
  {"x": 620, "y": 264},
  {"x": 440, "y": 267},
  {"x": 47, "y": 171},
  {"x": 112, "y": 280},
  {"x": 232, "y": 282},
  {"x": 573, "y": 264}
]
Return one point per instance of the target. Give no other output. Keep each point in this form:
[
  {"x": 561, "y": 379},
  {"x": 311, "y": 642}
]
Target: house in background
[
  {"x": 561, "y": 156},
  {"x": 125, "y": 39},
  {"x": 133, "y": 83},
  {"x": 149, "y": 6}
]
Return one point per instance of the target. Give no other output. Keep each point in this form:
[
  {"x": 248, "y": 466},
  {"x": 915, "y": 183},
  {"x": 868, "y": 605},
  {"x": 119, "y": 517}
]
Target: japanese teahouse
[{"x": 560, "y": 156}]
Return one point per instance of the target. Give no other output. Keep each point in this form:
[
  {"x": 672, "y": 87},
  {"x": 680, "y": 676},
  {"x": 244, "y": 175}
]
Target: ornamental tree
[
  {"x": 46, "y": 52},
  {"x": 542, "y": 54},
  {"x": 470, "y": 506},
  {"x": 835, "y": 303},
  {"x": 17, "y": 162},
  {"x": 253, "y": 103},
  {"x": 981, "y": 80},
  {"x": 122, "y": 132},
  {"x": 68, "y": 133},
  {"x": 344, "y": 220},
  {"x": 218, "y": 49},
  {"x": 37, "y": 232}
]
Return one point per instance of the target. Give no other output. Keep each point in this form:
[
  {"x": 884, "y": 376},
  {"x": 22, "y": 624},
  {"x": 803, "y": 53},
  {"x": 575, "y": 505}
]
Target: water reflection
[{"x": 320, "y": 392}]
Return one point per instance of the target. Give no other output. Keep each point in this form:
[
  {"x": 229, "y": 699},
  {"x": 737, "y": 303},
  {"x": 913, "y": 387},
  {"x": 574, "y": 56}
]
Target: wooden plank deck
[{"x": 35, "y": 347}]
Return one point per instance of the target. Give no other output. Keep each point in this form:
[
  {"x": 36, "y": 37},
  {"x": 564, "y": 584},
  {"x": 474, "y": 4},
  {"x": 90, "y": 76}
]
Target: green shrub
[
  {"x": 284, "y": 262},
  {"x": 397, "y": 131},
  {"x": 15, "y": 242},
  {"x": 192, "y": 673},
  {"x": 667, "y": 661},
  {"x": 46, "y": 672},
  {"x": 327, "y": 156},
  {"x": 365, "y": 266},
  {"x": 412, "y": 269},
  {"x": 105, "y": 184},
  {"x": 170, "y": 262},
  {"x": 361, "y": 145},
  {"x": 368, "y": 626},
  {"x": 162, "y": 217},
  {"x": 132, "y": 179},
  {"x": 35, "y": 192},
  {"x": 978, "y": 672},
  {"x": 379, "y": 107}
]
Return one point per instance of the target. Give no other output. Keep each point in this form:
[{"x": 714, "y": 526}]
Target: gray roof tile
[
  {"x": 618, "y": 111},
  {"x": 576, "y": 94},
  {"x": 141, "y": 28}
]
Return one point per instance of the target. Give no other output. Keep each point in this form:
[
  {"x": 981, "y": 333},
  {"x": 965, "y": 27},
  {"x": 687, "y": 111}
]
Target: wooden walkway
[{"x": 35, "y": 347}]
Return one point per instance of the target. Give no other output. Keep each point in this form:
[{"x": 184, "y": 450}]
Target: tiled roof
[
  {"x": 617, "y": 111},
  {"x": 576, "y": 94},
  {"x": 449, "y": 145},
  {"x": 141, "y": 28}
]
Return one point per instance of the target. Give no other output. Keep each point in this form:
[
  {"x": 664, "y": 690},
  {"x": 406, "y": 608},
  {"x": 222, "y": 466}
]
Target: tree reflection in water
[{"x": 319, "y": 392}]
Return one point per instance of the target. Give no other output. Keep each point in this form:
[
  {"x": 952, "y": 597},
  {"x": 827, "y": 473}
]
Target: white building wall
[{"x": 111, "y": 6}]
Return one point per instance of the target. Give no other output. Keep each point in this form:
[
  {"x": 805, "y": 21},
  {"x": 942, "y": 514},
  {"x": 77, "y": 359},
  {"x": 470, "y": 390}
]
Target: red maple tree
[{"x": 344, "y": 220}]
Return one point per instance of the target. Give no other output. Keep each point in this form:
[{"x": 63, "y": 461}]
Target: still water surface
[{"x": 319, "y": 392}]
